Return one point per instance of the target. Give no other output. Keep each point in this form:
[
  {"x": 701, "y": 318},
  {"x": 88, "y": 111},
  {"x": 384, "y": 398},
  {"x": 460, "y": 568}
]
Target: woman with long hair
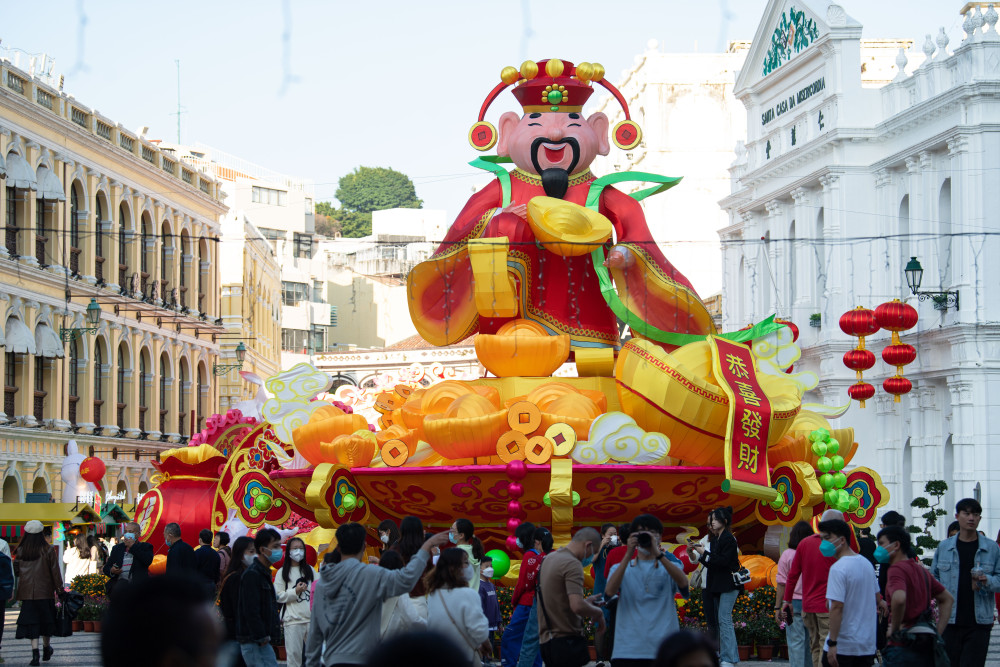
[
  {"x": 77, "y": 559},
  {"x": 292, "y": 589},
  {"x": 411, "y": 538},
  {"x": 463, "y": 536},
  {"x": 97, "y": 554},
  {"x": 453, "y": 608},
  {"x": 399, "y": 613},
  {"x": 796, "y": 633},
  {"x": 388, "y": 534},
  {"x": 522, "y": 597},
  {"x": 721, "y": 560},
  {"x": 38, "y": 583},
  {"x": 244, "y": 553}
]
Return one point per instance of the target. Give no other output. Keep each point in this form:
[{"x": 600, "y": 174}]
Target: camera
[{"x": 645, "y": 540}]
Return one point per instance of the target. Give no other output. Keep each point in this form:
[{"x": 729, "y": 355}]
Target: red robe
[{"x": 560, "y": 293}]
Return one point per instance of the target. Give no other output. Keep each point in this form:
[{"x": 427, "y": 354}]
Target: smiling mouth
[{"x": 554, "y": 153}]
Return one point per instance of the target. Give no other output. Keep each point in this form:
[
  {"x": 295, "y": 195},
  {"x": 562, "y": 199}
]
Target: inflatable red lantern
[
  {"x": 92, "y": 469},
  {"x": 896, "y": 316},
  {"x": 859, "y": 322}
]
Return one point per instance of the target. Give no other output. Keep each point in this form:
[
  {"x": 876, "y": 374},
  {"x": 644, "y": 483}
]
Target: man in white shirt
[{"x": 853, "y": 597}]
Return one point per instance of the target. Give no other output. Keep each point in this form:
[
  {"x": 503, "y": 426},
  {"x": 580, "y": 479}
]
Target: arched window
[
  {"x": 75, "y": 246},
  {"x": 143, "y": 379},
  {"x": 98, "y": 385},
  {"x": 202, "y": 273},
  {"x": 41, "y": 390},
  {"x": 182, "y": 389},
  {"x": 39, "y": 485},
  {"x": 123, "y": 270},
  {"x": 122, "y": 398},
  {"x": 944, "y": 231},
  {"x": 201, "y": 397},
  {"x": 819, "y": 248},
  {"x": 99, "y": 242},
  {"x": 11, "y": 489},
  {"x": 905, "y": 247},
  {"x": 144, "y": 252},
  {"x": 163, "y": 393},
  {"x": 74, "y": 379},
  {"x": 165, "y": 247},
  {"x": 10, "y": 239},
  {"x": 793, "y": 265}
]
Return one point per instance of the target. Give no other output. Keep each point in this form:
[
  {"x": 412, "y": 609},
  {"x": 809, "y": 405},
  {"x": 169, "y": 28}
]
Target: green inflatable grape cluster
[{"x": 830, "y": 466}]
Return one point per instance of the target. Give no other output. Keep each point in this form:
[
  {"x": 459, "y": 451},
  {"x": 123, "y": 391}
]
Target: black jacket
[
  {"x": 257, "y": 608},
  {"x": 206, "y": 560},
  {"x": 229, "y": 598},
  {"x": 721, "y": 562},
  {"x": 180, "y": 558},
  {"x": 142, "y": 556}
]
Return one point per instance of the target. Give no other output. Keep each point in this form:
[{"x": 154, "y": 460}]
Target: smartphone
[{"x": 788, "y": 616}]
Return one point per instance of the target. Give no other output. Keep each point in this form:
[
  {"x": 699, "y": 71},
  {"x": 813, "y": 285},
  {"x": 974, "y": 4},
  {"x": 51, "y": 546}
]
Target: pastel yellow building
[{"x": 95, "y": 214}]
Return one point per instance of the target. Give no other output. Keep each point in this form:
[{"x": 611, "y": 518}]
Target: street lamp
[
  {"x": 915, "y": 275},
  {"x": 93, "y": 319},
  {"x": 241, "y": 355}
]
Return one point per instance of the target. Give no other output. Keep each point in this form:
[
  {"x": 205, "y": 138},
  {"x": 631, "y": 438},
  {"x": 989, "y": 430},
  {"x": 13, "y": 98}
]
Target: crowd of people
[{"x": 843, "y": 598}]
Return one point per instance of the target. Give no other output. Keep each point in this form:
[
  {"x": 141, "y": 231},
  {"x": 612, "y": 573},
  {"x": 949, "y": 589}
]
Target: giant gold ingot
[
  {"x": 565, "y": 228},
  {"x": 324, "y": 425},
  {"x": 575, "y": 409},
  {"x": 676, "y": 394},
  {"x": 522, "y": 348},
  {"x": 469, "y": 428},
  {"x": 354, "y": 450}
]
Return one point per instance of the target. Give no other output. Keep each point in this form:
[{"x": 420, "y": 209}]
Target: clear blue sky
[{"x": 313, "y": 88}]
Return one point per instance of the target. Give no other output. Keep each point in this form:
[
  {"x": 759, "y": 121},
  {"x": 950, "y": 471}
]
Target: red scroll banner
[{"x": 749, "y": 422}]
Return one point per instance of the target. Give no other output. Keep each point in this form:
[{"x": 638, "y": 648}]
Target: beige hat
[{"x": 34, "y": 526}]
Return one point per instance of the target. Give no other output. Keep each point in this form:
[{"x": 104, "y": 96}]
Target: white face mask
[
  {"x": 385, "y": 539},
  {"x": 614, "y": 540},
  {"x": 469, "y": 572},
  {"x": 488, "y": 572},
  {"x": 248, "y": 559},
  {"x": 297, "y": 554}
]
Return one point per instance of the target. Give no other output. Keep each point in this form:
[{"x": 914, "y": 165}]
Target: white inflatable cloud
[{"x": 616, "y": 437}]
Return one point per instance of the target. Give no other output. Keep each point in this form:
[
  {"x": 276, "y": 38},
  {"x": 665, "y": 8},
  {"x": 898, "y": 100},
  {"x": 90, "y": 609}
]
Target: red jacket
[
  {"x": 614, "y": 556},
  {"x": 814, "y": 568},
  {"x": 527, "y": 578}
]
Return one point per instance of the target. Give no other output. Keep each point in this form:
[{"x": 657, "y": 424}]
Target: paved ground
[{"x": 83, "y": 649}]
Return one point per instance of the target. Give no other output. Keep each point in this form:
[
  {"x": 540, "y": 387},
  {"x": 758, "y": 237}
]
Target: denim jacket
[{"x": 945, "y": 569}]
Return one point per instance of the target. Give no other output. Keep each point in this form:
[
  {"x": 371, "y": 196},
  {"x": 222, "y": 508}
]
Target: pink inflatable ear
[
  {"x": 600, "y": 123},
  {"x": 509, "y": 121}
]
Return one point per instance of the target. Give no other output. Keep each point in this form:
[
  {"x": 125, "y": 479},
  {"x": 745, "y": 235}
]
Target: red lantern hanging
[
  {"x": 861, "y": 392},
  {"x": 897, "y": 385},
  {"x": 859, "y": 322},
  {"x": 896, "y": 316}
]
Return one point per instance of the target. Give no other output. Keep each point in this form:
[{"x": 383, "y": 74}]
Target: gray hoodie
[{"x": 347, "y": 608}]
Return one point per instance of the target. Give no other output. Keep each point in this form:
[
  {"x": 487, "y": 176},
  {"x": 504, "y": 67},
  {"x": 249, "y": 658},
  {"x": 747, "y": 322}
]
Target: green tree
[
  {"x": 368, "y": 189},
  {"x": 354, "y": 225},
  {"x": 326, "y": 209},
  {"x": 935, "y": 488}
]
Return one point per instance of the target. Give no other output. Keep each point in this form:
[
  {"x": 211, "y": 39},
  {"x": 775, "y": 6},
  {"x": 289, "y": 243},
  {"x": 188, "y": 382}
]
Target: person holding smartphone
[
  {"x": 647, "y": 578},
  {"x": 292, "y": 584}
]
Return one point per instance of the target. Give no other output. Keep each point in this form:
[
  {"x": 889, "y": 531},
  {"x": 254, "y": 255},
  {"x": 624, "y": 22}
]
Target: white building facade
[{"x": 842, "y": 179}]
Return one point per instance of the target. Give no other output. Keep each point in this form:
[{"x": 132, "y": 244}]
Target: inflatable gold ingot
[
  {"x": 511, "y": 446},
  {"x": 545, "y": 394},
  {"x": 522, "y": 348},
  {"x": 353, "y": 451},
  {"x": 538, "y": 450},
  {"x": 398, "y": 433},
  {"x": 468, "y": 429},
  {"x": 324, "y": 425},
  {"x": 676, "y": 394},
  {"x": 565, "y": 228},
  {"x": 493, "y": 288},
  {"x": 576, "y": 410},
  {"x": 563, "y": 438}
]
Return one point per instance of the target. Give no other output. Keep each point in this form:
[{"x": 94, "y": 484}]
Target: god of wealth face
[{"x": 538, "y": 142}]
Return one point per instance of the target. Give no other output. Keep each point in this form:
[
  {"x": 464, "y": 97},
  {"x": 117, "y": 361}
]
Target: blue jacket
[{"x": 945, "y": 569}]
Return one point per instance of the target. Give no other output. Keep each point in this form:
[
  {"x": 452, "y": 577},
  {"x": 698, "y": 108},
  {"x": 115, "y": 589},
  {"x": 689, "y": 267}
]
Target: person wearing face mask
[
  {"x": 180, "y": 555},
  {"x": 853, "y": 597},
  {"x": 206, "y": 561},
  {"x": 561, "y": 602},
  {"x": 647, "y": 613},
  {"x": 388, "y": 534},
  {"x": 291, "y": 589},
  {"x": 453, "y": 608},
  {"x": 523, "y": 595},
  {"x": 463, "y": 536},
  {"x": 912, "y": 635},
  {"x": 488, "y": 598},
  {"x": 257, "y": 609},
  {"x": 721, "y": 559},
  {"x": 129, "y": 560},
  {"x": 244, "y": 554},
  {"x": 530, "y": 653},
  {"x": 811, "y": 565}
]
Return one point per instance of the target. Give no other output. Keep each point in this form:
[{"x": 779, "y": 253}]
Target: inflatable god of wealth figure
[{"x": 536, "y": 243}]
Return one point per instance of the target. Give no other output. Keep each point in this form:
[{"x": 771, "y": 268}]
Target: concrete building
[
  {"x": 845, "y": 179},
  {"x": 96, "y": 215}
]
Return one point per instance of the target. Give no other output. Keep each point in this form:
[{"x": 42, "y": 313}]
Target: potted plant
[
  {"x": 744, "y": 638},
  {"x": 816, "y": 320},
  {"x": 766, "y": 632},
  {"x": 88, "y": 614},
  {"x": 101, "y": 605}
]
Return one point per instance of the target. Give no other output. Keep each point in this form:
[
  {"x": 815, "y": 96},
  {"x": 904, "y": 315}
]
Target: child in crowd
[{"x": 488, "y": 596}]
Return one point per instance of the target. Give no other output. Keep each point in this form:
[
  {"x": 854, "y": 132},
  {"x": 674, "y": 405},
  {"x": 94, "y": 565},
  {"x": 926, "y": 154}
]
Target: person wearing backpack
[{"x": 913, "y": 638}]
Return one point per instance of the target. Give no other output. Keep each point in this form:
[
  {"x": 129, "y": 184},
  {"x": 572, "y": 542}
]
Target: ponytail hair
[{"x": 477, "y": 548}]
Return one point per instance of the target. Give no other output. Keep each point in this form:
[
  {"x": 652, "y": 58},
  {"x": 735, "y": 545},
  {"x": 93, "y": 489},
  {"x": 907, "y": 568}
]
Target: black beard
[{"x": 555, "y": 182}]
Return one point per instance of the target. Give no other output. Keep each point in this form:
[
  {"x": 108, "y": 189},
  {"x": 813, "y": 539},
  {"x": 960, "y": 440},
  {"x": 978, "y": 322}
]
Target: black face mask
[{"x": 555, "y": 181}]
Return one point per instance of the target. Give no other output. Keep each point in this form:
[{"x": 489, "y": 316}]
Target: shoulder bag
[{"x": 476, "y": 659}]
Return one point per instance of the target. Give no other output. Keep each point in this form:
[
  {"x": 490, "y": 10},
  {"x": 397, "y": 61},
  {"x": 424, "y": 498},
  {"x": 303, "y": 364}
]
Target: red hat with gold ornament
[{"x": 553, "y": 86}]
